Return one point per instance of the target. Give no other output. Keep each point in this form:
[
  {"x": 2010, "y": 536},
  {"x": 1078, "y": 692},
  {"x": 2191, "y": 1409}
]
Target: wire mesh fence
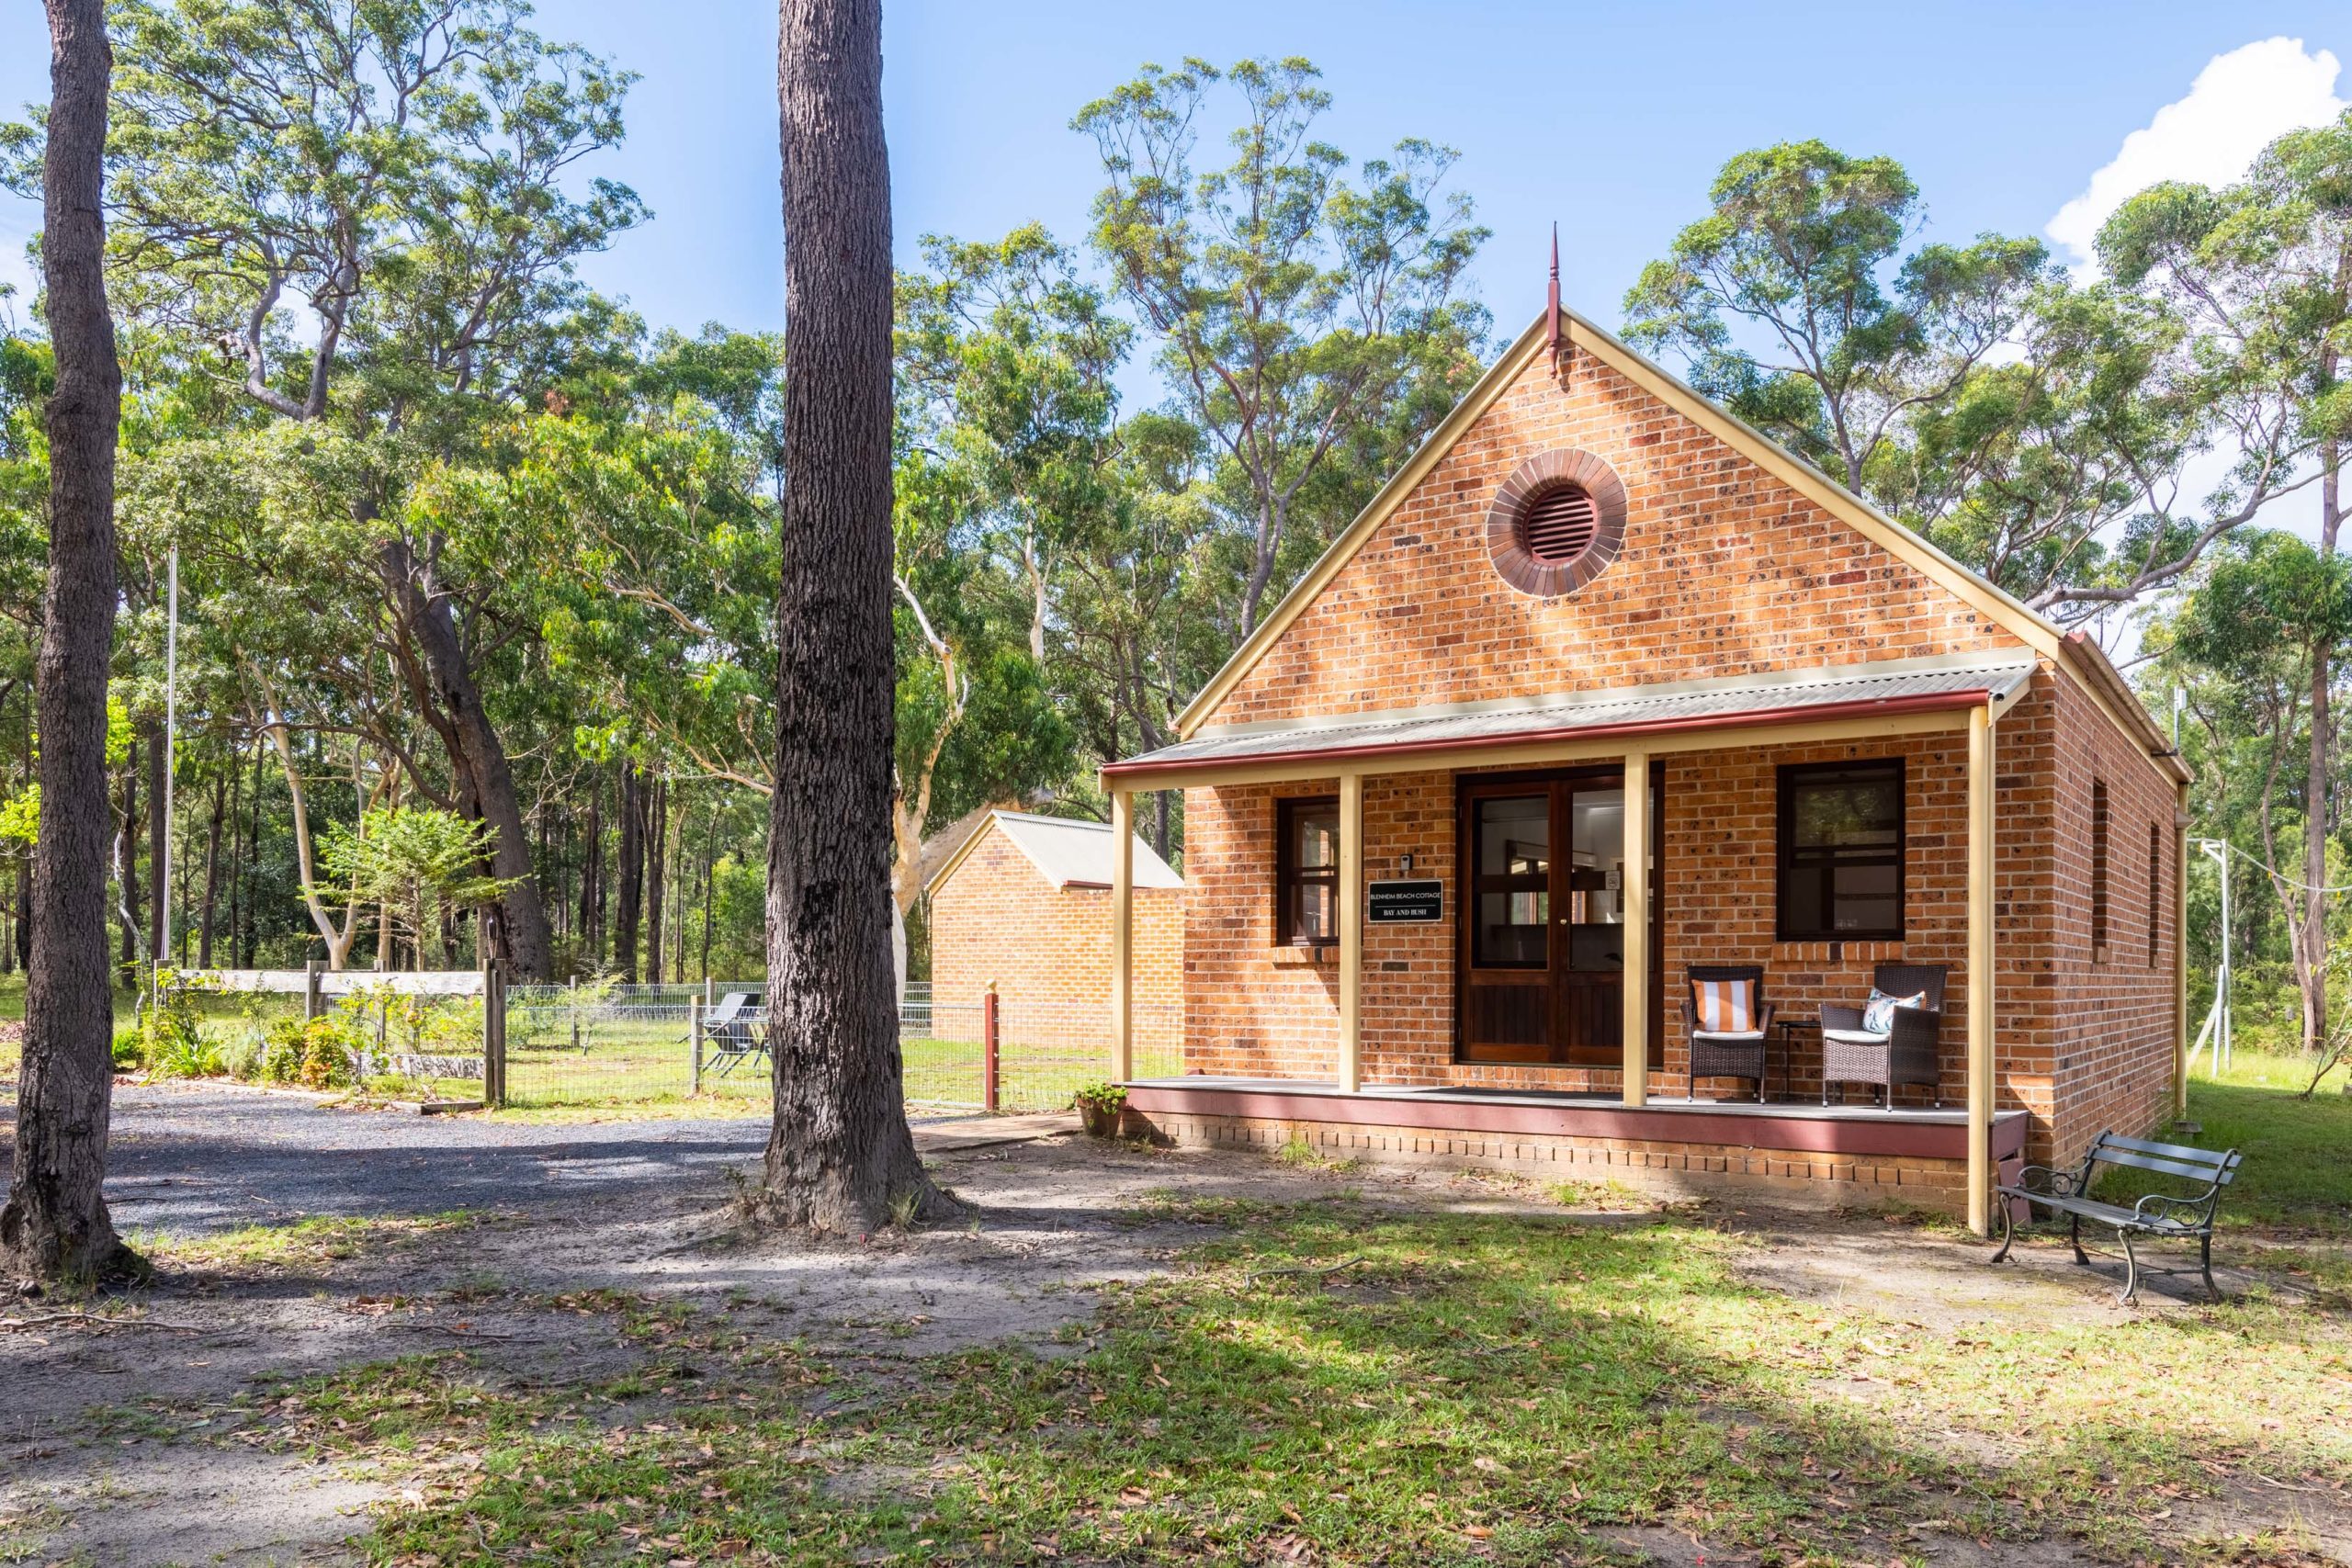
[{"x": 606, "y": 1044}]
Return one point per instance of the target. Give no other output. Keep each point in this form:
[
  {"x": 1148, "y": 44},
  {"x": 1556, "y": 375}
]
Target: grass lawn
[
  {"x": 1465, "y": 1389},
  {"x": 2298, "y": 1171}
]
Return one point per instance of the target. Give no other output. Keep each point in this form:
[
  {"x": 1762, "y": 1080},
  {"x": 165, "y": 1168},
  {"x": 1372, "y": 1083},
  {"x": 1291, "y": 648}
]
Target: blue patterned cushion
[{"x": 1878, "y": 1013}]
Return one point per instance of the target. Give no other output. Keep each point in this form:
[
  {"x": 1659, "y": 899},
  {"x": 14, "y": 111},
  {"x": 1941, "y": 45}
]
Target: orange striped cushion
[{"x": 1725, "y": 1007}]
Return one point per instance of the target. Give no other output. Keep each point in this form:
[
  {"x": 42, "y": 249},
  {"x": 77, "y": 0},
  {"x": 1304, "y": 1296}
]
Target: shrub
[
  {"x": 128, "y": 1057},
  {"x": 171, "y": 1039},
  {"x": 241, "y": 1058},
  {"x": 320, "y": 1053}
]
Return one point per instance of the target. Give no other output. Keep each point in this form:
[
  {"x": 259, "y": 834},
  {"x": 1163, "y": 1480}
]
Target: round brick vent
[{"x": 1556, "y": 523}]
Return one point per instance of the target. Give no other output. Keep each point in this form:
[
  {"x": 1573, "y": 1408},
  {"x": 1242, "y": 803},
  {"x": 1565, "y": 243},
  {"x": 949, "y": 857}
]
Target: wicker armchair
[
  {"x": 1720, "y": 1055},
  {"x": 1906, "y": 1054}
]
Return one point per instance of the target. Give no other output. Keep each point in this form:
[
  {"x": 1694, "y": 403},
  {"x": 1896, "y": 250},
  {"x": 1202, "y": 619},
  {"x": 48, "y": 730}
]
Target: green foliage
[
  {"x": 1802, "y": 251},
  {"x": 170, "y": 1042},
  {"x": 318, "y": 1054},
  {"x": 1292, "y": 303},
  {"x": 417, "y": 862}
]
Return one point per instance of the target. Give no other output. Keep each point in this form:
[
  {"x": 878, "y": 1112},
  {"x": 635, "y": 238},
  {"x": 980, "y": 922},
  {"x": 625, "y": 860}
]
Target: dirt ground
[{"x": 89, "y": 1473}]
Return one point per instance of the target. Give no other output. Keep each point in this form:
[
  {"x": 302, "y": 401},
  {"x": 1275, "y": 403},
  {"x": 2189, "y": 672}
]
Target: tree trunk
[
  {"x": 125, "y": 848},
  {"x": 481, "y": 755},
  {"x": 338, "y": 940},
  {"x": 2310, "y": 944},
  {"x": 839, "y": 1156},
  {"x": 625, "y": 919},
  {"x": 159, "y": 843},
  {"x": 211, "y": 872},
  {"x": 592, "y": 865},
  {"x": 56, "y": 1226},
  {"x": 657, "y": 876},
  {"x": 248, "y": 866}
]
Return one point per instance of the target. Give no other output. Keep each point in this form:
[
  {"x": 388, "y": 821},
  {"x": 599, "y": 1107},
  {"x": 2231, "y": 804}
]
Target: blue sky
[{"x": 1609, "y": 118}]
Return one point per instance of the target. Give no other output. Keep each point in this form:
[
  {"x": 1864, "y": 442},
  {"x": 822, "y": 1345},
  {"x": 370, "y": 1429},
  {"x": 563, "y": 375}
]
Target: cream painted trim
[
  {"x": 1122, "y": 947},
  {"x": 2011, "y": 615},
  {"x": 1981, "y": 905},
  {"x": 1563, "y": 750},
  {"x": 2015, "y": 663},
  {"x": 1635, "y": 907},
  {"x": 1467, "y": 412},
  {"x": 2097, "y": 674},
  {"x": 1351, "y": 903}
]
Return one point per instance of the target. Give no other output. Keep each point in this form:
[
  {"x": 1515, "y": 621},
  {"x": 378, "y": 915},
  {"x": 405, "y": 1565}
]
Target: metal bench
[{"x": 2168, "y": 1215}]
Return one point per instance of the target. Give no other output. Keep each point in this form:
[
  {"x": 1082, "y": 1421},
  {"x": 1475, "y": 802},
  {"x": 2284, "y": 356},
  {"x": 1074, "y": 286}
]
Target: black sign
[{"x": 1406, "y": 903}]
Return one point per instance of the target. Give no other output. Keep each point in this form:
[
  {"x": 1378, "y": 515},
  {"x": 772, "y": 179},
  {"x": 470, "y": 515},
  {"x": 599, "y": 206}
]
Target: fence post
[
  {"x": 311, "y": 1004},
  {"x": 574, "y": 984},
  {"x": 694, "y": 1032},
  {"x": 989, "y": 1033},
  {"x": 493, "y": 1036}
]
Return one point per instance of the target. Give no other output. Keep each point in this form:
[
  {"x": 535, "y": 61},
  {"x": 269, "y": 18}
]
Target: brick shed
[
  {"x": 1597, "y": 611},
  {"x": 1024, "y": 901}
]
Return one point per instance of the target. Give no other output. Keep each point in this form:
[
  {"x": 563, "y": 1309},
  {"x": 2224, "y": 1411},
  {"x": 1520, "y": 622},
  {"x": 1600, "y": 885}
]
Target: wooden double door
[{"x": 1540, "y": 964}]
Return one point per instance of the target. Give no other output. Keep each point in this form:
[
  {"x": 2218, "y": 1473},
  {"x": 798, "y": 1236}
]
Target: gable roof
[
  {"x": 2077, "y": 653},
  {"x": 1067, "y": 852}
]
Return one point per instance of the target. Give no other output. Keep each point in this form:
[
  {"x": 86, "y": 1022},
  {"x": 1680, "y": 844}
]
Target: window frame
[
  {"x": 1784, "y": 856},
  {"x": 1289, "y": 876}
]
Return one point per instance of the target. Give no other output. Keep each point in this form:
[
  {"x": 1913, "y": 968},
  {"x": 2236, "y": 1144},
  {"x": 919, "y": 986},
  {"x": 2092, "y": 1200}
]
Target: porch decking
[{"x": 1837, "y": 1153}]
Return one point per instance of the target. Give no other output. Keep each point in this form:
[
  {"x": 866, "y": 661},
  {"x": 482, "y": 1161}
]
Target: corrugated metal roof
[
  {"x": 1690, "y": 704},
  {"x": 1078, "y": 854}
]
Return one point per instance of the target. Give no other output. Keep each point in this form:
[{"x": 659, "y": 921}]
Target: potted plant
[{"x": 1100, "y": 1107}]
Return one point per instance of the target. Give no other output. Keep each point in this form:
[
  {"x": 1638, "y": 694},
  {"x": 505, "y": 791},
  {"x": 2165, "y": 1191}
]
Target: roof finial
[{"x": 1551, "y": 298}]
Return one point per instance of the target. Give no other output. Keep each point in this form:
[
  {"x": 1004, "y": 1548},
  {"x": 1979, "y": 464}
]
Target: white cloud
[{"x": 2240, "y": 102}]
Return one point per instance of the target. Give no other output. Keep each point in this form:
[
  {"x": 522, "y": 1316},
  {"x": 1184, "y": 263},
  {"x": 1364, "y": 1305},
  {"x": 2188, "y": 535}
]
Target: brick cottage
[
  {"x": 1022, "y": 907},
  {"x": 1597, "y": 611}
]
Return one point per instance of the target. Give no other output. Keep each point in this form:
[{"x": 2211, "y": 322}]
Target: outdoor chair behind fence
[{"x": 592, "y": 1043}]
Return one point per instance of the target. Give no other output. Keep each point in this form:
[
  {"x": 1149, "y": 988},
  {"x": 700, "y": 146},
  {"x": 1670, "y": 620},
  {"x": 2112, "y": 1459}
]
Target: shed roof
[
  {"x": 1840, "y": 690},
  {"x": 1066, "y": 854}
]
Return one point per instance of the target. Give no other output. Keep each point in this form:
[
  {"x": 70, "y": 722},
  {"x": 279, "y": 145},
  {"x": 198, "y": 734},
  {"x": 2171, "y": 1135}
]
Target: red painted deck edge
[{"x": 1865, "y": 1133}]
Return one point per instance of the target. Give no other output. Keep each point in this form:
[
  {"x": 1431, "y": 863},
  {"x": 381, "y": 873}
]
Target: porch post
[
  {"x": 1123, "y": 903},
  {"x": 1633, "y": 903},
  {"x": 1979, "y": 970},
  {"x": 1351, "y": 897}
]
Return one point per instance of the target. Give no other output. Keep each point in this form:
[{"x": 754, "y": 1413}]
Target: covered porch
[{"x": 1467, "y": 1105}]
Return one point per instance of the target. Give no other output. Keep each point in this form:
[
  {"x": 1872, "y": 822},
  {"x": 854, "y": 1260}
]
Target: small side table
[{"x": 1787, "y": 1028}]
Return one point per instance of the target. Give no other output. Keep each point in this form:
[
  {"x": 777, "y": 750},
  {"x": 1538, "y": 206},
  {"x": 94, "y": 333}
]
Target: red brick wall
[
  {"x": 1419, "y": 615},
  {"x": 1724, "y": 570},
  {"x": 2105, "y": 1024},
  {"x": 1049, "y": 950}
]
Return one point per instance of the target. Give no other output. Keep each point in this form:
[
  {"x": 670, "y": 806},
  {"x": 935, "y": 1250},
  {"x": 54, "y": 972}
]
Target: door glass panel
[
  {"x": 1513, "y": 856},
  {"x": 1597, "y": 858},
  {"x": 1515, "y": 837}
]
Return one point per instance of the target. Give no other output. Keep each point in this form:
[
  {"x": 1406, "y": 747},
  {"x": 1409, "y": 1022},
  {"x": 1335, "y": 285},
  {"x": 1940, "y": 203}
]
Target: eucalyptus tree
[
  {"x": 1793, "y": 303},
  {"x": 2252, "y": 644},
  {"x": 56, "y": 1225},
  {"x": 839, "y": 1156},
  {"x": 1294, "y": 306},
  {"x": 402, "y": 175}
]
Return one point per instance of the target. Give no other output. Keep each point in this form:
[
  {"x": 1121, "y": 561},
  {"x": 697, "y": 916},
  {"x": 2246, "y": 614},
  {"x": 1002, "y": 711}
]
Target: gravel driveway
[{"x": 189, "y": 1160}]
